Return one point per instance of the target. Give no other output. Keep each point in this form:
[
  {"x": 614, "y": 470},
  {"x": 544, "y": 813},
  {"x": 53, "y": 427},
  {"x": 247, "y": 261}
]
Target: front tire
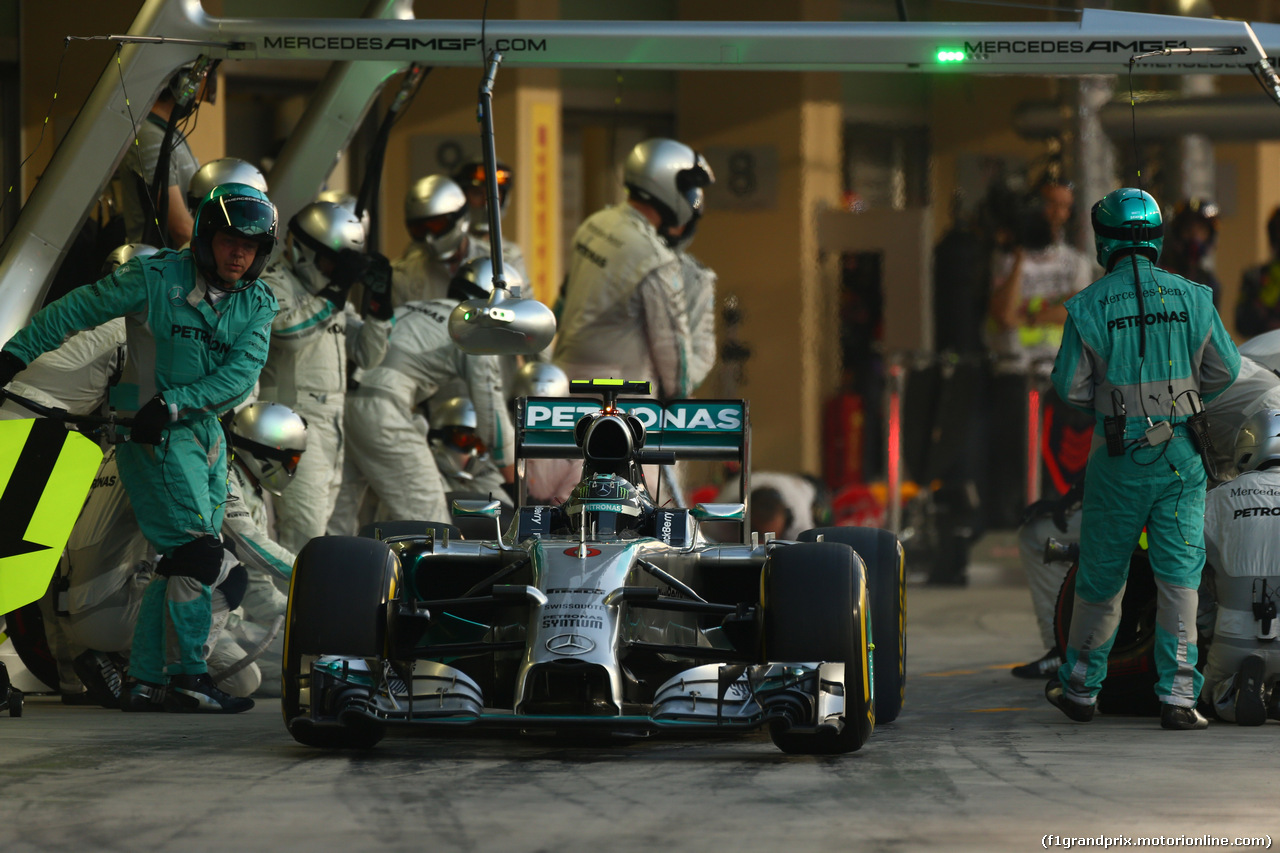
[
  {"x": 340, "y": 597},
  {"x": 882, "y": 553},
  {"x": 814, "y": 605}
]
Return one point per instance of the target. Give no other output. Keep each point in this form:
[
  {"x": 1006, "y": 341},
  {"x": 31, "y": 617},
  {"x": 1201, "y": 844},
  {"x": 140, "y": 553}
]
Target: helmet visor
[
  {"x": 436, "y": 226},
  {"x": 247, "y": 216}
]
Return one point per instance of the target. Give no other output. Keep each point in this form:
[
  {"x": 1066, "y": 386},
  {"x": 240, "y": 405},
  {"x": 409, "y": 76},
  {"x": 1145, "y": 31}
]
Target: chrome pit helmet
[
  {"x": 435, "y": 212},
  {"x": 346, "y": 200},
  {"x": 471, "y": 177},
  {"x": 670, "y": 177},
  {"x": 540, "y": 379},
  {"x": 1126, "y": 218},
  {"x": 243, "y": 211},
  {"x": 123, "y": 254},
  {"x": 323, "y": 234},
  {"x": 455, "y": 438},
  {"x": 606, "y": 505},
  {"x": 1258, "y": 441},
  {"x": 269, "y": 439},
  {"x": 474, "y": 280},
  {"x": 227, "y": 170}
]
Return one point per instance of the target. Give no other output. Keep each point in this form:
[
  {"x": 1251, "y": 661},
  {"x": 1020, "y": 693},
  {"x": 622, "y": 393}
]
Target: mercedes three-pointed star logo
[{"x": 569, "y": 644}]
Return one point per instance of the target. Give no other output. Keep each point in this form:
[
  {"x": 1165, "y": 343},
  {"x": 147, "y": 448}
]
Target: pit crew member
[
  {"x": 198, "y": 325},
  {"x": 1242, "y": 542},
  {"x": 1144, "y": 347},
  {"x": 387, "y": 448},
  {"x": 625, "y": 310},
  {"x": 307, "y": 367}
]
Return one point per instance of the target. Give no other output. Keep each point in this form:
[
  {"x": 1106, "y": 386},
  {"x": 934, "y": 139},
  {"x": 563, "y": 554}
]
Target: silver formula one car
[{"x": 608, "y": 612}]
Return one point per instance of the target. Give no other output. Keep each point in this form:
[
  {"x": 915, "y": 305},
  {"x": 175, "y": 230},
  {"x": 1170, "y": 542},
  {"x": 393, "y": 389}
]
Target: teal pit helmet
[
  {"x": 247, "y": 212},
  {"x": 1127, "y": 218}
]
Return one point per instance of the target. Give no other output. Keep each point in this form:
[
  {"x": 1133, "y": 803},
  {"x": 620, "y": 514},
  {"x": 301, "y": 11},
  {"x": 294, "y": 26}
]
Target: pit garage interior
[{"x": 832, "y": 190}]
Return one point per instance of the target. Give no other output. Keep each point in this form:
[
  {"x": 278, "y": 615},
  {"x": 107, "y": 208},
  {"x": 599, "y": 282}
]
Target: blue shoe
[
  {"x": 142, "y": 696},
  {"x": 199, "y": 695}
]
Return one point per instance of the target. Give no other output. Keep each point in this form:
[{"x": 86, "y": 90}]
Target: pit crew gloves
[{"x": 150, "y": 421}]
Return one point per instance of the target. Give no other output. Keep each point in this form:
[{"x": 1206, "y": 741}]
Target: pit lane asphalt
[{"x": 977, "y": 761}]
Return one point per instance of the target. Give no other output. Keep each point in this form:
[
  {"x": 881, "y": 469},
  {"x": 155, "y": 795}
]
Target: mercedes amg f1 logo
[{"x": 569, "y": 644}]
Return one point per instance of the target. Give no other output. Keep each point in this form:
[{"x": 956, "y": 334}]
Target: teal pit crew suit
[
  {"x": 202, "y": 359},
  {"x": 1155, "y": 359}
]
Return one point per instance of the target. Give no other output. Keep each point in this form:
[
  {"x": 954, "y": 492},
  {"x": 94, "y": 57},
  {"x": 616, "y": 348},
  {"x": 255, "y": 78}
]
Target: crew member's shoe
[
  {"x": 1042, "y": 668},
  {"x": 1057, "y": 697},
  {"x": 198, "y": 694},
  {"x": 1181, "y": 719},
  {"x": 142, "y": 696},
  {"x": 100, "y": 677},
  {"x": 1251, "y": 692}
]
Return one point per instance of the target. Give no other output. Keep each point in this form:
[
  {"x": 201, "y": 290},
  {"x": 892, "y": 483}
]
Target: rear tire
[
  {"x": 1129, "y": 688},
  {"x": 815, "y": 609},
  {"x": 882, "y": 553},
  {"x": 340, "y": 597}
]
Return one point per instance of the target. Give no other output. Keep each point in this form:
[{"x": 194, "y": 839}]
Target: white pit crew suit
[
  {"x": 1242, "y": 541},
  {"x": 387, "y": 446},
  {"x": 625, "y": 312},
  {"x": 418, "y": 277},
  {"x": 107, "y": 564},
  {"x": 307, "y": 371},
  {"x": 260, "y": 615},
  {"x": 1256, "y": 388},
  {"x": 700, "y": 301},
  {"x": 75, "y": 377}
]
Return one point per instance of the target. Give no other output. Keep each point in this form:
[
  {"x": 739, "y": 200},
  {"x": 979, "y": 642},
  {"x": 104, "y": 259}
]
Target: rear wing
[{"x": 689, "y": 429}]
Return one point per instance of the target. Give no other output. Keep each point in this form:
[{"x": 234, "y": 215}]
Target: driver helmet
[
  {"x": 471, "y": 176},
  {"x": 670, "y": 177},
  {"x": 227, "y": 170},
  {"x": 540, "y": 379},
  {"x": 123, "y": 254},
  {"x": 245, "y": 212},
  {"x": 323, "y": 234},
  {"x": 474, "y": 280},
  {"x": 454, "y": 437},
  {"x": 1126, "y": 218},
  {"x": 606, "y": 504},
  {"x": 1258, "y": 441},
  {"x": 435, "y": 213},
  {"x": 269, "y": 439}
]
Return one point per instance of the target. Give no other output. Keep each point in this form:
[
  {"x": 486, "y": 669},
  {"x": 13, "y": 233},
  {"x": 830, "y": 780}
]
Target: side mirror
[
  {"x": 720, "y": 512},
  {"x": 502, "y": 325},
  {"x": 477, "y": 509}
]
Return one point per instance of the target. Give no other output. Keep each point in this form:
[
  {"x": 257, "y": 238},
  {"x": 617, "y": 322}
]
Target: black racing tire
[
  {"x": 1129, "y": 688},
  {"x": 882, "y": 554},
  {"x": 814, "y": 608},
  {"x": 340, "y": 599},
  {"x": 388, "y": 529}
]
